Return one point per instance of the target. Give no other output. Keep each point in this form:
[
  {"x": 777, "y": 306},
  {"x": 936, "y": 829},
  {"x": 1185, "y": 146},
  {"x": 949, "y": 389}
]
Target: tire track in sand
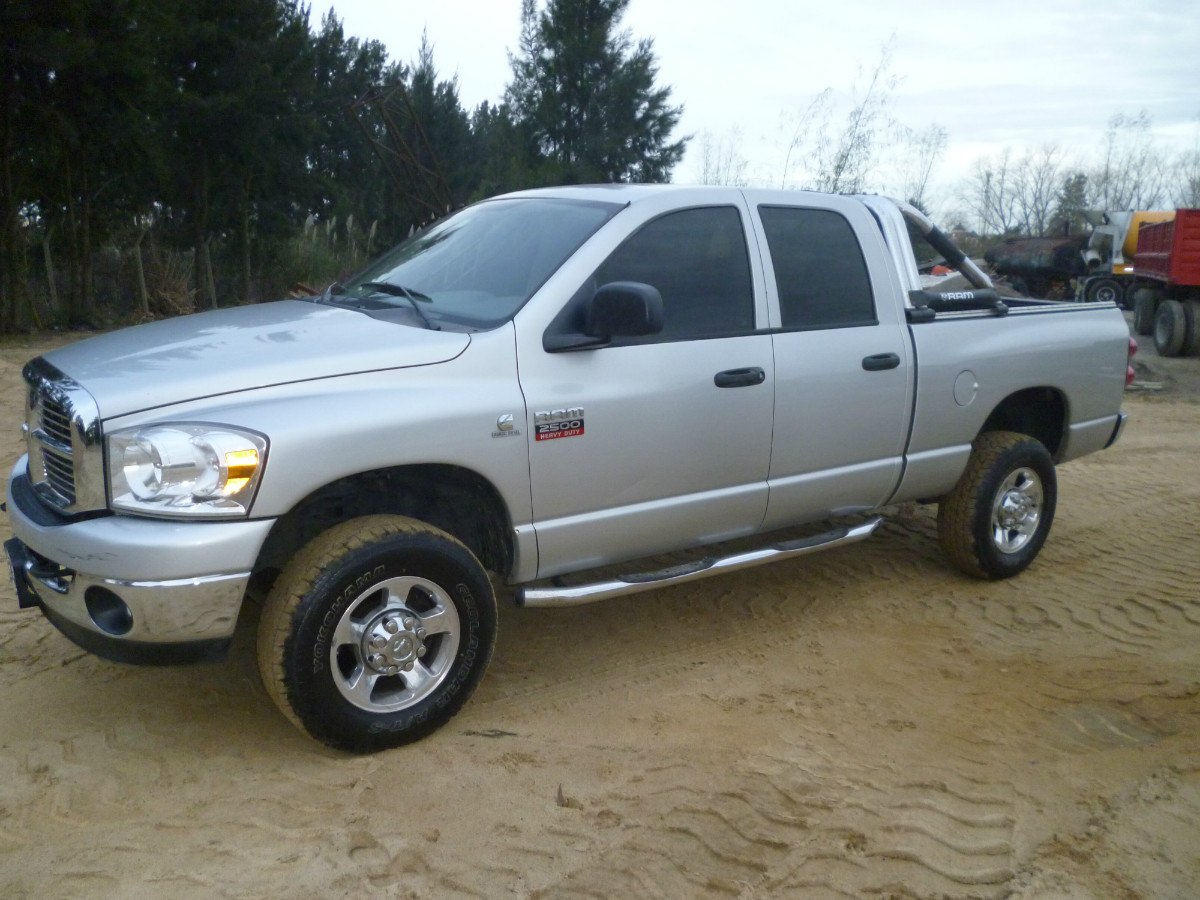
[{"x": 779, "y": 830}]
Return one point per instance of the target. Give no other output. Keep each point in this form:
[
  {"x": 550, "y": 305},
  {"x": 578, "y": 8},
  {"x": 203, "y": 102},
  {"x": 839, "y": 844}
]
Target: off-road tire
[
  {"x": 301, "y": 656},
  {"x": 1002, "y": 464}
]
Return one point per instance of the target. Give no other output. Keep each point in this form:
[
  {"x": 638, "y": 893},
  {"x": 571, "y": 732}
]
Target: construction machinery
[
  {"x": 1040, "y": 266},
  {"x": 1110, "y": 253}
]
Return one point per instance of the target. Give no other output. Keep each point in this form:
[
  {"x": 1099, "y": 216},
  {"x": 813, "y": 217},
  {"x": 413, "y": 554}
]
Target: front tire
[
  {"x": 1105, "y": 290},
  {"x": 995, "y": 521},
  {"x": 376, "y": 633}
]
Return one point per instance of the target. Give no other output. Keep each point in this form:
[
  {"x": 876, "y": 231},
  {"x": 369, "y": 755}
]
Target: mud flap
[{"x": 18, "y": 557}]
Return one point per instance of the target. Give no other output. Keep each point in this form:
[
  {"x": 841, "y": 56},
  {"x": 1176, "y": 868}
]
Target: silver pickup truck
[{"x": 541, "y": 384}]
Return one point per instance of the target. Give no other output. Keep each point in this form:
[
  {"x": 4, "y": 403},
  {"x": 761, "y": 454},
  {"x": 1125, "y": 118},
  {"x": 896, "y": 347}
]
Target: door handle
[
  {"x": 746, "y": 377},
  {"x": 881, "y": 361}
]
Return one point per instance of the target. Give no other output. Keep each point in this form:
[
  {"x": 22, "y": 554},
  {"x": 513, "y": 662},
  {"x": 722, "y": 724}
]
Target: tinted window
[
  {"x": 697, "y": 259},
  {"x": 819, "y": 269},
  {"x": 478, "y": 266}
]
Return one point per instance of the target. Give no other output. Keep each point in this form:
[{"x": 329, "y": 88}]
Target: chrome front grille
[
  {"x": 57, "y": 454},
  {"x": 60, "y": 474},
  {"x": 63, "y": 437},
  {"x": 56, "y": 420}
]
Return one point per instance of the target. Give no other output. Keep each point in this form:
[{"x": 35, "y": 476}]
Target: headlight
[{"x": 185, "y": 469}]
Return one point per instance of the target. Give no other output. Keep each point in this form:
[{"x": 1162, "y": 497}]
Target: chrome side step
[{"x": 576, "y": 595}]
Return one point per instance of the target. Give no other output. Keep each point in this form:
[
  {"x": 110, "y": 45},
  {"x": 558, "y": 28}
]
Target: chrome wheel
[
  {"x": 394, "y": 644},
  {"x": 1017, "y": 510}
]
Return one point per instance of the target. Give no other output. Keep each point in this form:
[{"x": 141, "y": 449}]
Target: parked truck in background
[
  {"x": 1110, "y": 253},
  {"x": 540, "y": 385},
  {"x": 1167, "y": 296}
]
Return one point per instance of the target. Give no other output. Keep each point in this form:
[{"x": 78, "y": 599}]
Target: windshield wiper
[
  {"x": 335, "y": 287},
  {"x": 396, "y": 290},
  {"x": 336, "y": 295}
]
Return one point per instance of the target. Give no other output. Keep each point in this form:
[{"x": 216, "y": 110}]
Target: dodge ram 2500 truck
[{"x": 543, "y": 383}]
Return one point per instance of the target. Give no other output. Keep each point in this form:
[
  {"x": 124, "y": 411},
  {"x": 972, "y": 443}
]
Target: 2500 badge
[{"x": 558, "y": 423}]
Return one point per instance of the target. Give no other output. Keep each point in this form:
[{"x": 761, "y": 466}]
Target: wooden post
[
  {"x": 209, "y": 283},
  {"x": 48, "y": 257},
  {"x": 143, "y": 294}
]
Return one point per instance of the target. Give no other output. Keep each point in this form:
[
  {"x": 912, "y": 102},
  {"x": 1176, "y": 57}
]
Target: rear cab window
[{"x": 820, "y": 273}]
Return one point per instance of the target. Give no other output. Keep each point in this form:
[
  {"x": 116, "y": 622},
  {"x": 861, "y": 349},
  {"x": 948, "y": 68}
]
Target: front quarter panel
[{"x": 330, "y": 428}]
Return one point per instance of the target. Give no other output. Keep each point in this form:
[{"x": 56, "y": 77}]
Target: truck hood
[{"x": 240, "y": 349}]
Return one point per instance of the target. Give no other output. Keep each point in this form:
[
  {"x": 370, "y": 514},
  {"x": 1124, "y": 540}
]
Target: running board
[{"x": 577, "y": 595}]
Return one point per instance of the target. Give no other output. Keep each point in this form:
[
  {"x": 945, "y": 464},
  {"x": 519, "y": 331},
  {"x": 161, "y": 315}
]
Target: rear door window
[{"x": 819, "y": 268}]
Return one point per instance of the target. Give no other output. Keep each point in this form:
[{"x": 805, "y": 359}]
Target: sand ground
[{"x": 864, "y": 722}]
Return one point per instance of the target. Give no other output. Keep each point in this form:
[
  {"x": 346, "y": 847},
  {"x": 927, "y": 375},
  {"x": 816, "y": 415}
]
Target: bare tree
[
  {"x": 1131, "y": 173},
  {"x": 843, "y": 160},
  {"x": 1036, "y": 183},
  {"x": 1187, "y": 174},
  {"x": 813, "y": 119},
  {"x": 721, "y": 160},
  {"x": 840, "y": 158},
  {"x": 989, "y": 194},
  {"x": 922, "y": 150}
]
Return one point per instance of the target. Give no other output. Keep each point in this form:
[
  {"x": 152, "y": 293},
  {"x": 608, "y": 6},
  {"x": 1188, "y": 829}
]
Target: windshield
[{"x": 479, "y": 266}]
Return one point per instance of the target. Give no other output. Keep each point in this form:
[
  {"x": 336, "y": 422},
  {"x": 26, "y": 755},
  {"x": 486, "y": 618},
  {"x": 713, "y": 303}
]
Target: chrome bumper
[{"x": 118, "y": 584}]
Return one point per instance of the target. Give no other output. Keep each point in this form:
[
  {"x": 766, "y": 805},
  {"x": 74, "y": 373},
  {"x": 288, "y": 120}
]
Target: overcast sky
[{"x": 996, "y": 74}]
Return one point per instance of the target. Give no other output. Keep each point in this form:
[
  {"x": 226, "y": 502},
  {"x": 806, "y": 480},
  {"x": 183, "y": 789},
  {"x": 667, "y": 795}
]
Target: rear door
[
  {"x": 843, "y": 362},
  {"x": 663, "y": 441}
]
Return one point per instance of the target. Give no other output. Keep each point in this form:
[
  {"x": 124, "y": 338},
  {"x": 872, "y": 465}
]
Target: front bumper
[{"x": 132, "y": 589}]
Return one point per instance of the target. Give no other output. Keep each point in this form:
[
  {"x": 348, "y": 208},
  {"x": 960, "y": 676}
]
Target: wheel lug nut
[
  {"x": 408, "y": 667},
  {"x": 378, "y": 642},
  {"x": 420, "y": 651},
  {"x": 410, "y": 622},
  {"x": 390, "y": 626},
  {"x": 376, "y": 660},
  {"x": 421, "y": 633}
]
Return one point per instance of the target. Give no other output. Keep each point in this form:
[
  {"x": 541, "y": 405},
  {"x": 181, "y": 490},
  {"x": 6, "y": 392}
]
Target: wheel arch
[
  {"x": 1040, "y": 412},
  {"x": 457, "y": 500}
]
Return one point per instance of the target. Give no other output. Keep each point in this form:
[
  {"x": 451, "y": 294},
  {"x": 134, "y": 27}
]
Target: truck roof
[
  {"x": 631, "y": 193},
  {"x": 891, "y": 216}
]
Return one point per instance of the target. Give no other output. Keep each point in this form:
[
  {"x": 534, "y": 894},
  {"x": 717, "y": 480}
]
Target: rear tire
[
  {"x": 1170, "y": 328},
  {"x": 995, "y": 521},
  {"x": 1145, "y": 304},
  {"x": 1191, "y": 331},
  {"x": 376, "y": 633}
]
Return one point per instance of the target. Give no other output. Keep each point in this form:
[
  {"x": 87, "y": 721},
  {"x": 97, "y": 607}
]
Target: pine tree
[
  {"x": 1068, "y": 218},
  {"x": 585, "y": 94}
]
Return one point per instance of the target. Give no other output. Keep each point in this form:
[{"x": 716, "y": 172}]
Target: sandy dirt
[{"x": 864, "y": 722}]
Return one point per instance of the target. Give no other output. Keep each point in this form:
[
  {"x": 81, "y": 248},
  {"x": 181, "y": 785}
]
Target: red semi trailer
[{"x": 1168, "y": 301}]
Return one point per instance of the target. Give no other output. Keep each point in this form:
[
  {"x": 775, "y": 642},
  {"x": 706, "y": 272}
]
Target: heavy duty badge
[{"x": 558, "y": 423}]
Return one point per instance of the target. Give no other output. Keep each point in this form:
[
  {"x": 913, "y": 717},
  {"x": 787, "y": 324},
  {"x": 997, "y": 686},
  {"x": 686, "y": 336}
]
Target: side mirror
[{"x": 623, "y": 309}]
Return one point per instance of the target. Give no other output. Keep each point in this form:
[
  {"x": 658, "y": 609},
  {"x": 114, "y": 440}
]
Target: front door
[{"x": 662, "y": 441}]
